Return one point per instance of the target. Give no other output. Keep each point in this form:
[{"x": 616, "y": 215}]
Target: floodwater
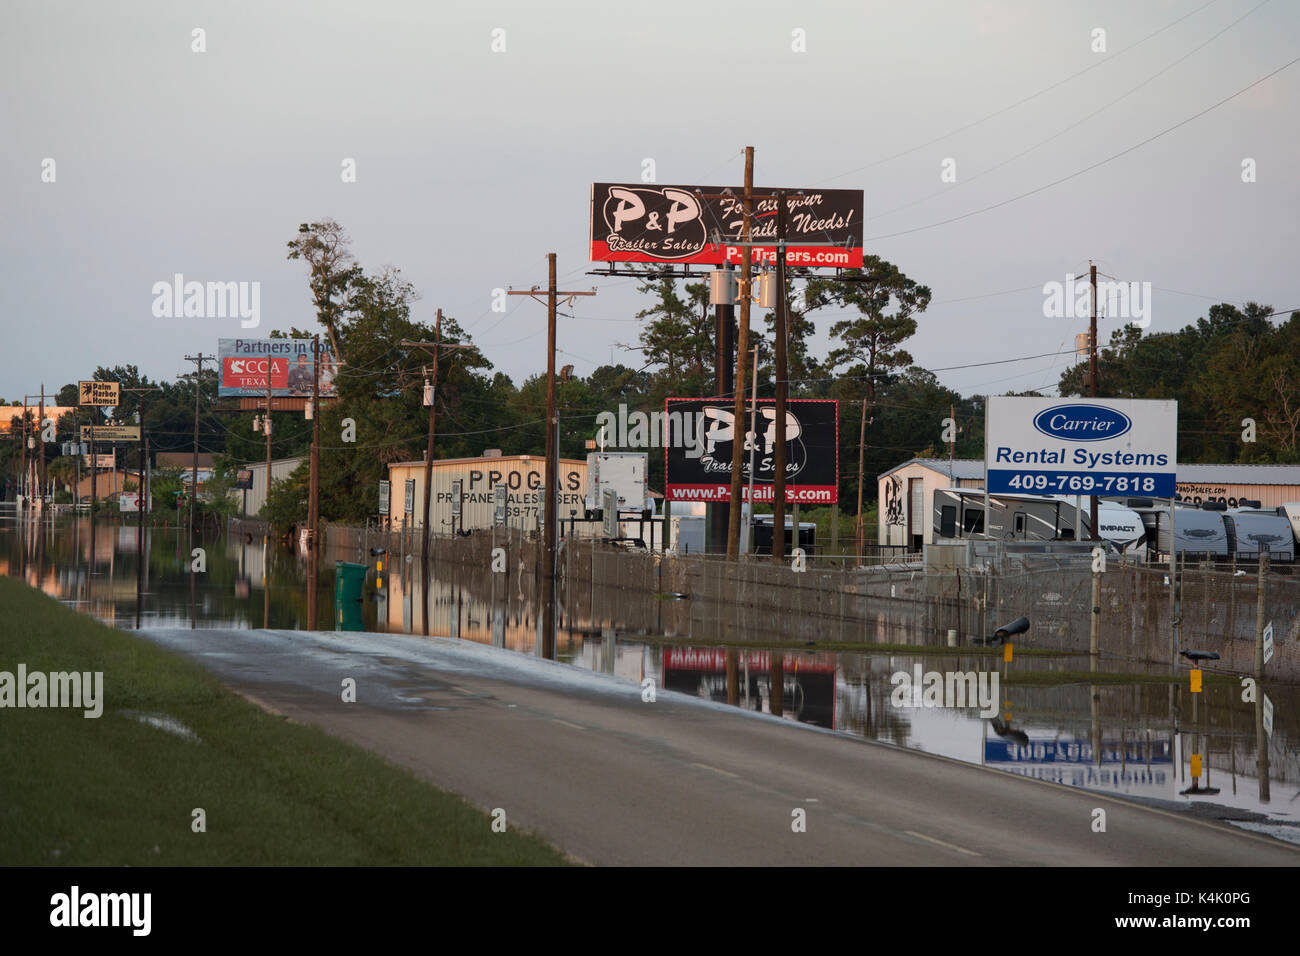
[{"x": 1135, "y": 738}]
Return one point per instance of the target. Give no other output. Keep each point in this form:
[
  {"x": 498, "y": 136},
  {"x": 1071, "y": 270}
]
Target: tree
[
  {"x": 678, "y": 339},
  {"x": 871, "y": 343},
  {"x": 326, "y": 248}
]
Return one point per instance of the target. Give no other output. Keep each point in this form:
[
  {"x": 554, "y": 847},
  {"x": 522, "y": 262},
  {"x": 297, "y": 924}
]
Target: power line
[{"x": 1089, "y": 168}]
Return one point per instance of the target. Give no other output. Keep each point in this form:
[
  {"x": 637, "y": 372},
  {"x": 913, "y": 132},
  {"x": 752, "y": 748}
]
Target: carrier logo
[{"x": 1082, "y": 422}]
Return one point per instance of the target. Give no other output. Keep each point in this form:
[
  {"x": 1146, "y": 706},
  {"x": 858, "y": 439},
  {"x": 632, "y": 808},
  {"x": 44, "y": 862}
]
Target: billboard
[
  {"x": 111, "y": 433},
  {"x": 247, "y": 364},
  {"x": 700, "y": 432},
  {"x": 1082, "y": 446},
  {"x": 106, "y": 394},
  {"x": 645, "y": 222}
]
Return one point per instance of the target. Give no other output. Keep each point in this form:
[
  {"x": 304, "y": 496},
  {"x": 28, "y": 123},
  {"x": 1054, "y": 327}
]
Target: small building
[
  {"x": 523, "y": 476},
  {"x": 250, "y": 500},
  {"x": 906, "y": 492}
]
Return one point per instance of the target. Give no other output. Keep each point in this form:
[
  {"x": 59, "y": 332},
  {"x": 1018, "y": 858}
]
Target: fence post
[{"x": 1259, "y": 612}]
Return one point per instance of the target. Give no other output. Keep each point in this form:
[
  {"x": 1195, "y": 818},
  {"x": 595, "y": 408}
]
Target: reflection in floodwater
[{"x": 1135, "y": 738}]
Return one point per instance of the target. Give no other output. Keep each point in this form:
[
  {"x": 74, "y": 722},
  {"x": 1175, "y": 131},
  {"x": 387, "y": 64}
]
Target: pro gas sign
[{"x": 1105, "y": 447}]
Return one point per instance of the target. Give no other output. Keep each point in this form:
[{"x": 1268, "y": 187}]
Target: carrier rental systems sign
[{"x": 1084, "y": 446}]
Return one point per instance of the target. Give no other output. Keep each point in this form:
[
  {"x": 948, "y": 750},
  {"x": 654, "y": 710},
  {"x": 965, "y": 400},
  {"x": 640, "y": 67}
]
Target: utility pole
[
  {"x": 778, "y": 478},
  {"x": 198, "y": 360},
  {"x": 1092, "y": 385},
  {"x": 144, "y": 499},
  {"x": 552, "y": 456},
  {"x": 437, "y": 347},
  {"x": 266, "y": 429},
  {"x": 40, "y": 446},
  {"x": 313, "y": 496},
  {"x": 858, "y": 540},
  {"x": 742, "y": 355}
]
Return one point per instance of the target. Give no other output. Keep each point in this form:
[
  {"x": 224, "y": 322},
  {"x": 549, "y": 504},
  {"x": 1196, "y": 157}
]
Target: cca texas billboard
[{"x": 248, "y": 364}]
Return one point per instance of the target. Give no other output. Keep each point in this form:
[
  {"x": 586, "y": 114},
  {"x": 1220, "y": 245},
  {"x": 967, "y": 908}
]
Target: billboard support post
[
  {"x": 1092, "y": 383},
  {"x": 724, "y": 379},
  {"x": 742, "y": 355},
  {"x": 778, "y": 482}
]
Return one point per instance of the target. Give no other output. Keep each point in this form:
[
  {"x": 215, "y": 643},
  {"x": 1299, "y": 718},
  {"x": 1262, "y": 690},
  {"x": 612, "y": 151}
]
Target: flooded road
[{"x": 1131, "y": 734}]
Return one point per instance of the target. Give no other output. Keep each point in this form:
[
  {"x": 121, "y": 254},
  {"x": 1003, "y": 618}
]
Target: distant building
[
  {"x": 523, "y": 476},
  {"x": 9, "y": 412},
  {"x": 906, "y": 492},
  {"x": 250, "y": 500}
]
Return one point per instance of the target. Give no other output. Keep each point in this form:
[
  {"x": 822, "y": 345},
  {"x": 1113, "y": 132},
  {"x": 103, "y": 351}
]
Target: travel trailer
[
  {"x": 1291, "y": 511},
  {"x": 1250, "y": 531},
  {"x": 1197, "y": 533},
  {"x": 959, "y": 513}
]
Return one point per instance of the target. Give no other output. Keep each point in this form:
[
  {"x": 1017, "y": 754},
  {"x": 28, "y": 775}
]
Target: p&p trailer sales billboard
[
  {"x": 645, "y": 222},
  {"x": 699, "y": 434},
  {"x": 247, "y": 364},
  {"x": 1084, "y": 446}
]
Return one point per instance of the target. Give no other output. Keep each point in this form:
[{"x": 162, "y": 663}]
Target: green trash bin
[{"x": 349, "y": 585}]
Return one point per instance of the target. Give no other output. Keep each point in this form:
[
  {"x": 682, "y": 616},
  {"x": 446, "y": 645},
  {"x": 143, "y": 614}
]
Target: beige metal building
[
  {"x": 524, "y": 477},
  {"x": 906, "y": 492},
  {"x": 250, "y": 501}
]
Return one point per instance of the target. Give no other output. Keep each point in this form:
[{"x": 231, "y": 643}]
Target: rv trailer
[{"x": 1250, "y": 532}]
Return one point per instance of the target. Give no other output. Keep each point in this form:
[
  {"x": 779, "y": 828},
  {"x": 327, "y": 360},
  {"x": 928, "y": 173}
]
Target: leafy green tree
[{"x": 871, "y": 343}]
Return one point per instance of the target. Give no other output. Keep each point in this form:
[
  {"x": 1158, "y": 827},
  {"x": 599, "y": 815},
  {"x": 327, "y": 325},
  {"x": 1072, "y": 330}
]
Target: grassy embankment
[{"x": 114, "y": 791}]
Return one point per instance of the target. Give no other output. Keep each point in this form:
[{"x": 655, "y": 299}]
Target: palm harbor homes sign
[{"x": 639, "y": 222}]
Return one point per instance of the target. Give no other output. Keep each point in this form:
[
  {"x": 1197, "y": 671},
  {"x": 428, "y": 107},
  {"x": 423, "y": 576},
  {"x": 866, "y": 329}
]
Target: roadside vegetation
[{"x": 117, "y": 791}]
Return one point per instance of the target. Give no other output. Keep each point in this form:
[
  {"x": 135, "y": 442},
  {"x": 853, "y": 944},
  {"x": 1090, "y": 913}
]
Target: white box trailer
[{"x": 625, "y": 473}]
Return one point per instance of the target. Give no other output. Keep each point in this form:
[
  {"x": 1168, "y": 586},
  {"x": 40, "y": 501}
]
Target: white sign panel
[
  {"x": 1268, "y": 714},
  {"x": 1268, "y": 642},
  {"x": 1084, "y": 446}
]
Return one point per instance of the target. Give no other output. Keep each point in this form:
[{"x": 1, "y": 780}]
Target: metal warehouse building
[{"x": 906, "y": 492}]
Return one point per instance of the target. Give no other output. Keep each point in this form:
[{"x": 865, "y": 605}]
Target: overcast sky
[{"x": 471, "y": 165}]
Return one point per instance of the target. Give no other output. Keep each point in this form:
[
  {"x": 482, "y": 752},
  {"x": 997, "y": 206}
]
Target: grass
[{"x": 113, "y": 791}]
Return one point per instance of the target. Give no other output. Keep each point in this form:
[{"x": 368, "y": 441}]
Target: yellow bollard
[
  {"x": 1006, "y": 653},
  {"x": 1196, "y": 765},
  {"x": 1196, "y": 680}
]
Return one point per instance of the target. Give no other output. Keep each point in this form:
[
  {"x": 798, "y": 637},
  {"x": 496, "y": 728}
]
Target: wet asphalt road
[{"x": 579, "y": 758}]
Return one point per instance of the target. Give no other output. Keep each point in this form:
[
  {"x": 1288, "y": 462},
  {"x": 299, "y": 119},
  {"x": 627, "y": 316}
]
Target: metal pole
[
  {"x": 1092, "y": 386},
  {"x": 724, "y": 374},
  {"x": 782, "y": 373},
  {"x": 753, "y": 443}
]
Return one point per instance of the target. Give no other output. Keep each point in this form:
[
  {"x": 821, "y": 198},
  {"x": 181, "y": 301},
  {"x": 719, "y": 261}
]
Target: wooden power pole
[
  {"x": 198, "y": 389},
  {"x": 313, "y": 494},
  {"x": 1092, "y": 385},
  {"x": 742, "y": 356},
  {"x": 437, "y": 346},
  {"x": 550, "y": 505}
]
